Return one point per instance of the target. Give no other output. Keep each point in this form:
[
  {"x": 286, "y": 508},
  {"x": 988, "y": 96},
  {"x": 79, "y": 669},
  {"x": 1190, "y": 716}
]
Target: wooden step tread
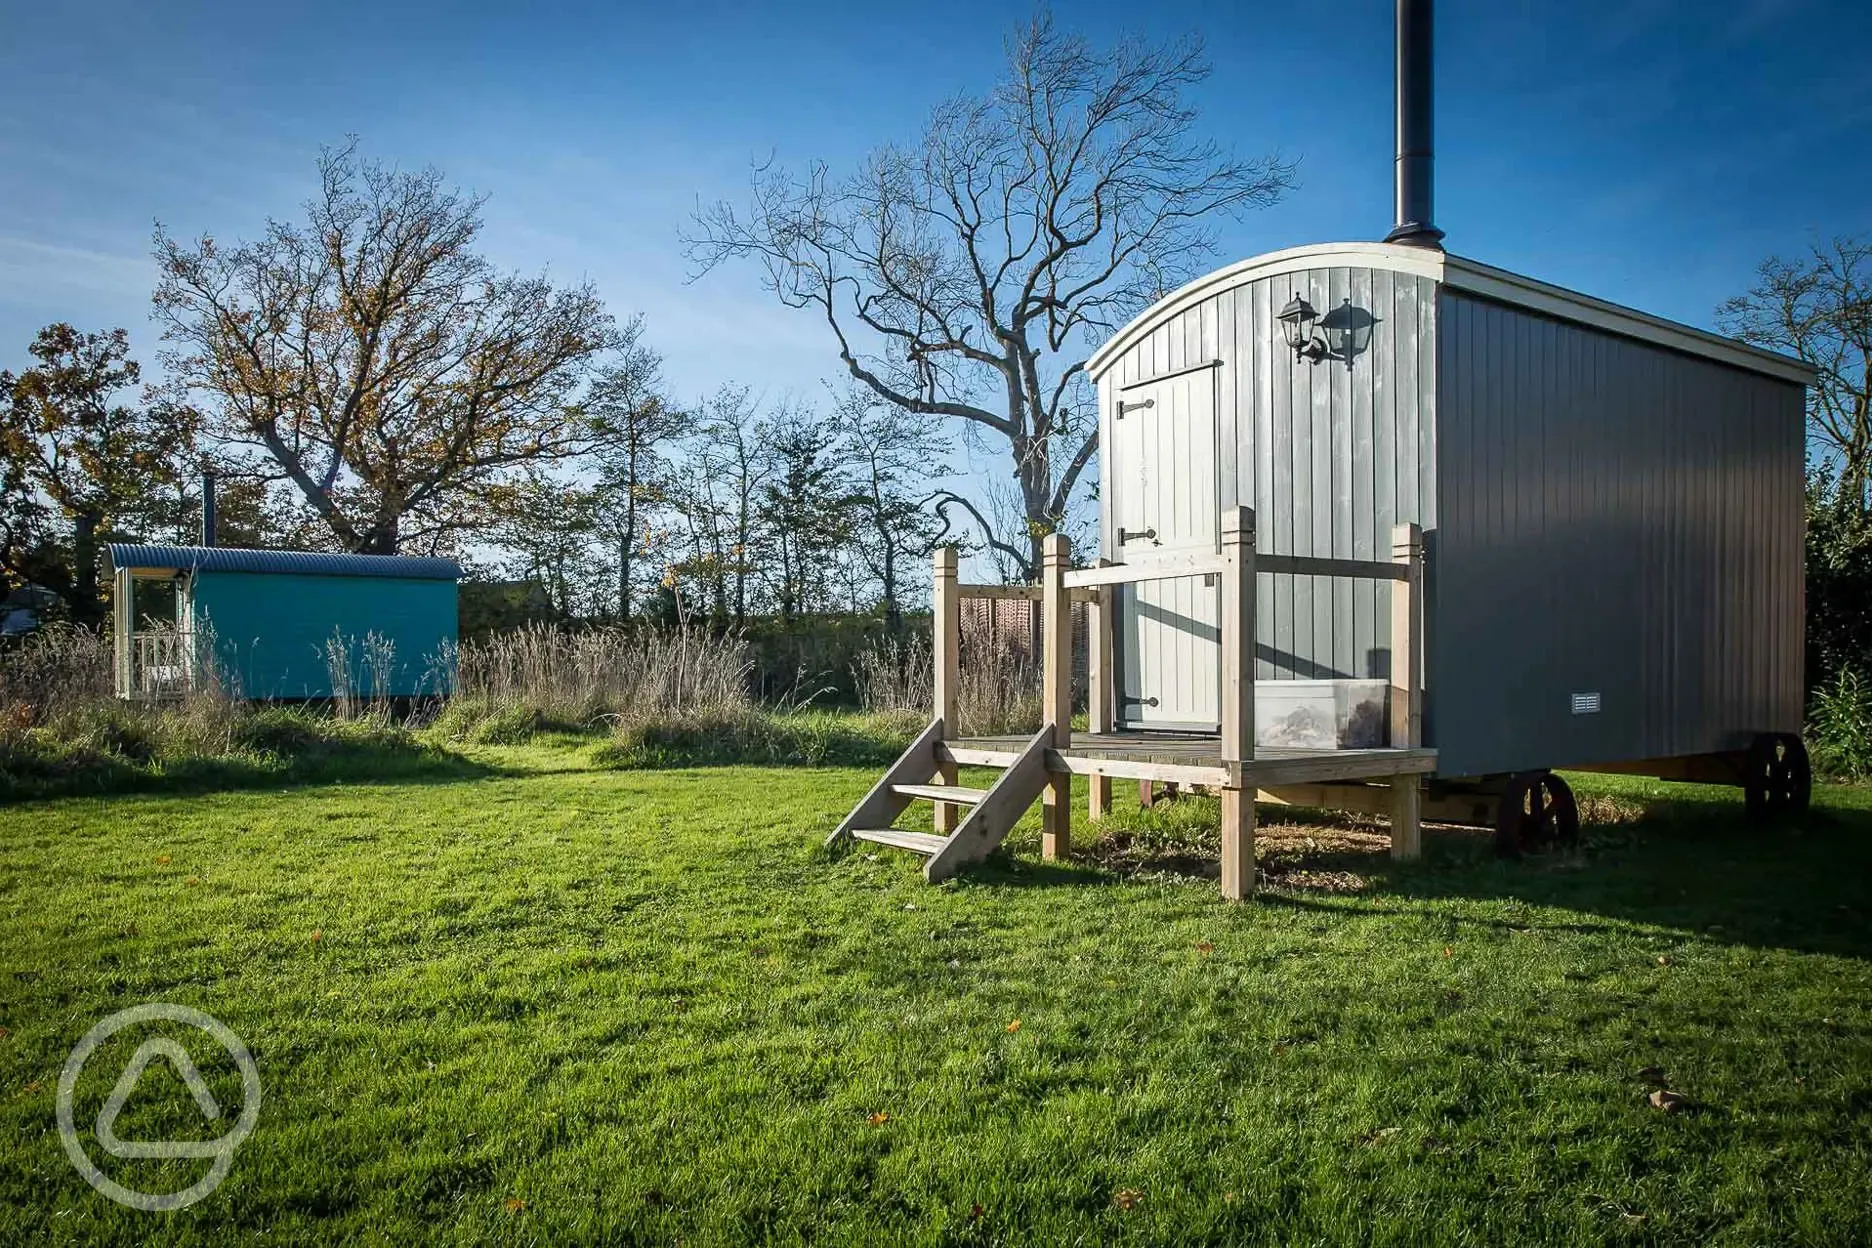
[
  {"x": 897, "y": 838},
  {"x": 941, "y": 792}
]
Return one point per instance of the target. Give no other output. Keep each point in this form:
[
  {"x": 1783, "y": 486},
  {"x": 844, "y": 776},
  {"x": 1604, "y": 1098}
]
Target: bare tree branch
[{"x": 966, "y": 277}]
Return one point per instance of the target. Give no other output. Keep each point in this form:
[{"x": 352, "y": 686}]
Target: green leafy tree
[{"x": 106, "y": 453}]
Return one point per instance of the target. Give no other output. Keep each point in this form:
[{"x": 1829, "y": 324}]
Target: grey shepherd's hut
[
  {"x": 1390, "y": 530},
  {"x": 1610, "y": 503}
]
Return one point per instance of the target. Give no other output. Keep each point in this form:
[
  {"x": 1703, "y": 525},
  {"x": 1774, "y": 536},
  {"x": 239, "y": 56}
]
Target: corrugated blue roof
[{"x": 292, "y": 562}]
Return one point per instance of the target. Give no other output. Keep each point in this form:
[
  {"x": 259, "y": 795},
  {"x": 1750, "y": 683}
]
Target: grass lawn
[{"x": 528, "y": 999}]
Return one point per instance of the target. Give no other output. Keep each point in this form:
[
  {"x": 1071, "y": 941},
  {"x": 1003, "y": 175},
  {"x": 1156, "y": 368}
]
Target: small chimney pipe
[
  {"x": 1415, "y": 172},
  {"x": 207, "y": 507}
]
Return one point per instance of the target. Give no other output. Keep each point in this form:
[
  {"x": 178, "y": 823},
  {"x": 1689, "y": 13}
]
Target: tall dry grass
[
  {"x": 999, "y": 679},
  {"x": 540, "y": 676},
  {"x": 49, "y": 672},
  {"x": 678, "y": 697}
]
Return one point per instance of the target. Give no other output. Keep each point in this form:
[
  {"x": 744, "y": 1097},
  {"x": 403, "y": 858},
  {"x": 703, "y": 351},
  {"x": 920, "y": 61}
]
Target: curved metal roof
[
  {"x": 1462, "y": 274},
  {"x": 291, "y": 562}
]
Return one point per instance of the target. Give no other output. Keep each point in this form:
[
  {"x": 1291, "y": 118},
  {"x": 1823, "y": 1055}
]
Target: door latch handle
[
  {"x": 1124, "y": 407},
  {"x": 1128, "y": 700},
  {"x": 1132, "y": 535}
]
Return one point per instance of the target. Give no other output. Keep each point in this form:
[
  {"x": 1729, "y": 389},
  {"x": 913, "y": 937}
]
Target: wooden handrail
[
  {"x": 1174, "y": 566},
  {"x": 1016, "y": 593},
  {"x": 1028, "y": 593},
  {"x": 1355, "y": 569},
  {"x": 1169, "y": 568}
]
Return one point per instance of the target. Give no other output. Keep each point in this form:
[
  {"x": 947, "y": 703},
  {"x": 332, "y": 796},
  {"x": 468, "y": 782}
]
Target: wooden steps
[
  {"x": 992, "y": 814},
  {"x": 898, "y": 838},
  {"x": 961, "y": 795}
]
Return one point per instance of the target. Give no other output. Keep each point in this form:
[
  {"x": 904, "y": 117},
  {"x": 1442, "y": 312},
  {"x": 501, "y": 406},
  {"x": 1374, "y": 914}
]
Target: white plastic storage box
[{"x": 1321, "y": 714}]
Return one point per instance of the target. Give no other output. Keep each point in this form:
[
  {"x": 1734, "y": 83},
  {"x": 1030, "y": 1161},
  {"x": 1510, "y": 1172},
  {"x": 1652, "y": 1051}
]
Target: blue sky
[{"x": 1648, "y": 153}]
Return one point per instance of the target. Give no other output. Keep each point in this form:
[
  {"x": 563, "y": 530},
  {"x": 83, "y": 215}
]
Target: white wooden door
[{"x": 1163, "y": 466}]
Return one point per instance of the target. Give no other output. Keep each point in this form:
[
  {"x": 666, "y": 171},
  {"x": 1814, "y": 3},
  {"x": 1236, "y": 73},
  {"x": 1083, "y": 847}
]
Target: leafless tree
[
  {"x": 381, "y": 365},
  {"x": 634, "y": 423},
  {"x": 733, "y": 455},
  {"x": 892, "y": 455},
  {"x": 964, "y": 277},
  {"x": 1819, "y": 307}
]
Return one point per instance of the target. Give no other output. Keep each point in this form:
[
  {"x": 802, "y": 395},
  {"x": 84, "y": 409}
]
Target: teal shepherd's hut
[{"x": 280, "y": 625}]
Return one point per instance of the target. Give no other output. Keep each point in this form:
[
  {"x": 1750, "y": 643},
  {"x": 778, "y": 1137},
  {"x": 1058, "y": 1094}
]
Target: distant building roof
[{"x": 290, "y": 562}]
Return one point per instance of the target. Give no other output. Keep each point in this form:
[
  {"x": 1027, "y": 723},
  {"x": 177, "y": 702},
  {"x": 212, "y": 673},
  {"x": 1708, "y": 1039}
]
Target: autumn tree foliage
[
  {"x": 90, "y": 453},
  {"x": 373, "y": 360}
]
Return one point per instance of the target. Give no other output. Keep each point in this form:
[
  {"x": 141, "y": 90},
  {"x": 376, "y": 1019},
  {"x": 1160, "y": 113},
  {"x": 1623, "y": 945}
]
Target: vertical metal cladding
[
  {"x": 1616, "y": 519},
  {"x": 1330, "y": 454}
]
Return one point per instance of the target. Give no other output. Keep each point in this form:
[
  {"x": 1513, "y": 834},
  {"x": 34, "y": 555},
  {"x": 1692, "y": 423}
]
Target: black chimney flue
[
  {"x": 207, "y": 507},
  {"x": 1415, "y": 128}
]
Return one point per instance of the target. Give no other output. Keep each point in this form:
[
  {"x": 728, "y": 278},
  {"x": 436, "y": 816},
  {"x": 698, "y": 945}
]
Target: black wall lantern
[
  {"x": 1342, "y": 334},
  {"x": 1297, "y": 327}
]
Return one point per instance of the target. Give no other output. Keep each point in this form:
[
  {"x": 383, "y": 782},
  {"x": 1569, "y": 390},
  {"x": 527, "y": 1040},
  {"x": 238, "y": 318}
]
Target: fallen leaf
[
  {"x": 1635, "y": 1218},
  {"x": 1228, "y": 1198},
  {"x": 193, "y": 879},
  {"x": 1670, "y": 1102},
  {"x": 1379, "y": 1136},
  {"x": 318, "y": 934},
  {"x": 4, "y": 1033},
  {"x": 1127, "y": 1199},
  {"x": 1653, "y": 1075},
  {"x": 975, "y": 1213},
  {"x": 162, "y": 860},
  {"x": 34, "y": 1086},
  {"x": 515, "y": 1204},
  {"x": 1449, "y": 951},
  {"x": 1664, "y": 959},
  {"x": 1014, "y": 1026},
  {"x": 1205, "y": 946},
  {"x": 955, "y": 964},
  {"x": 910, "y": 905},
  {"x": 878, "y": 1119}
]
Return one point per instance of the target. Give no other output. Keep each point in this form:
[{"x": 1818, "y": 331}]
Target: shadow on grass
[
  {"x": 1689, "y": 861},
  {"x": 1695, "y": 865},
  {"x": 389, "y": 758}
]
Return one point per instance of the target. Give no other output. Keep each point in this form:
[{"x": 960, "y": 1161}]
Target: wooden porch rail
[{"x": 1236, "y": 566}]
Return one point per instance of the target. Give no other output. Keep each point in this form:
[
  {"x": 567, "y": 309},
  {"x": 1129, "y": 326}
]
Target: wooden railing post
[
  {"x": 945, "y": 647},
  {"x": 1237, "y": 712},
  {"x": 1099, "y": 685},
  {"x": 123, "y": 622},
  {"x": 1056, "y": 691},
  {"x": 1406, "y": 685}
]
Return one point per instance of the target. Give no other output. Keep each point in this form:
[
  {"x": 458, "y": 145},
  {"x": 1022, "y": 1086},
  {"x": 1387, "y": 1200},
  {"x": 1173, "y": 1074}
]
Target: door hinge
[
  {"x": 1130, "y": 535},
  {"x": 1124, "y": 407}
]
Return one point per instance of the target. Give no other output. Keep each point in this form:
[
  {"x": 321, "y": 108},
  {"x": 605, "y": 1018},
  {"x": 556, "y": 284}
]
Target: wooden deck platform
[{"x": 1191, "y": 758}]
